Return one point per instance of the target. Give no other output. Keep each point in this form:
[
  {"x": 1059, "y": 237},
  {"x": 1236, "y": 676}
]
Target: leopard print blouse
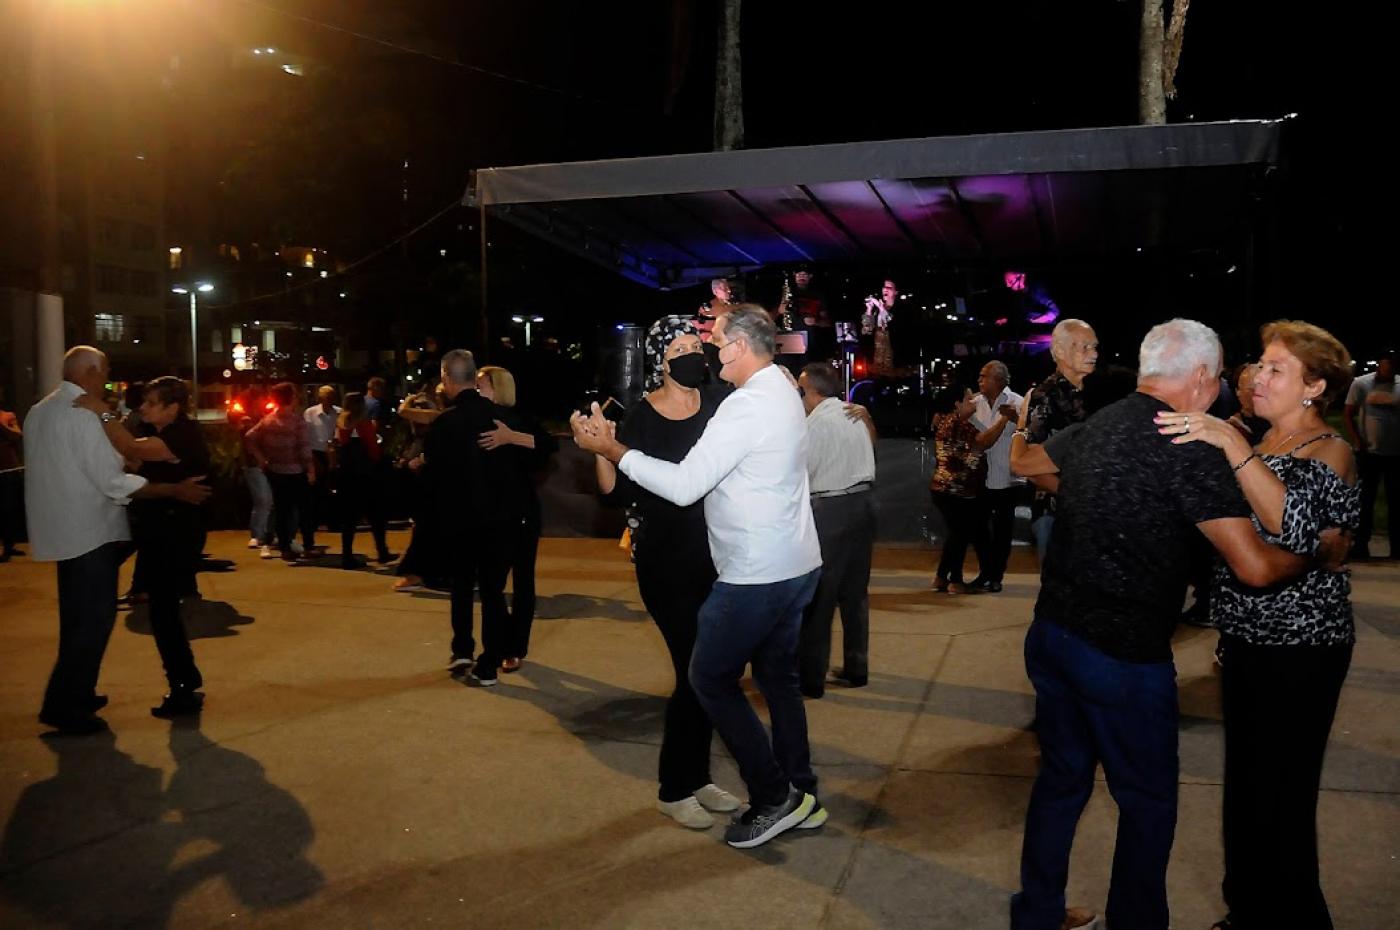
[{"x": 1314, "y": 608}]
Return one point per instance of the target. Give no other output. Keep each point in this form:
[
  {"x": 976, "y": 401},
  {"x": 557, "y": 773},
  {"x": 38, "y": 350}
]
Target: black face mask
[
  {"x": 712, "y": 360},
  {"x": 689, "y": 370}
]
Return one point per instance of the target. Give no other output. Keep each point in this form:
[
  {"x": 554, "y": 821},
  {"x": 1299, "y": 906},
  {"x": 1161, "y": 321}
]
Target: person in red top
[
  {"x": 281, "y": 447},
  {"x": 357, "y": 457}
]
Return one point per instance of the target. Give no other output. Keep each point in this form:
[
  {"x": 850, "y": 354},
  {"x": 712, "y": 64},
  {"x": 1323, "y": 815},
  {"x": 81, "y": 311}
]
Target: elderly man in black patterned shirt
[{"x": 1057, "y": 402}]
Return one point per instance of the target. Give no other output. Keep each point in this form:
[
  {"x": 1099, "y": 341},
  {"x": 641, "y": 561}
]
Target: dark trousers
[
  {"x": 361, "y": 494},
  {"x": 87, "y": 609},
  {"x": 171, "y": 561},
  {"x": 11, "y": 508},
  {"x": 522, "y": 587},
  {"x": 1373, "y": 470},
  {"x": 1000, "y": 507},
  {"x": 757, "y": 624},
  {"x": 674, "y": 599},
  {"x": 321, "y": 497},
  {"x": 290, "y": 508},
  {"x": 966, "y": 519},
  {"x": 1092, "y": 708},
  {"x": 846, "y": 531},
  {"x": 1279, "y": 703},
  {"x": 426, "y": 555},
  {"x": 483, "y": 562}
]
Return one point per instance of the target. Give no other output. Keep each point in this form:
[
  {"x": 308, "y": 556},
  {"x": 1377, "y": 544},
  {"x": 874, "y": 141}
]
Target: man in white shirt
[
  {"x": 75, "y": 497},
  {"x": 750, "y": 466},
  {"x": 840, "y": 478},
  {"x": 1376, "y": 399},
  {"x": 996, "y": 401},
  {"x": 320, "y": 428}
]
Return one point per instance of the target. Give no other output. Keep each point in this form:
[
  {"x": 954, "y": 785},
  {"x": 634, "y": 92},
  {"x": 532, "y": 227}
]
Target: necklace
[{"x": 1278, "y": 445}]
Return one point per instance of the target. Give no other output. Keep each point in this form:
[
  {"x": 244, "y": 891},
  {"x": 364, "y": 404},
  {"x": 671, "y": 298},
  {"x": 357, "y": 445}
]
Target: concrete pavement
[{"x": 339, "y": 778}]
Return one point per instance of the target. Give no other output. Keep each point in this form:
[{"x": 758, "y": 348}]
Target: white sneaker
[
  {"x": 713, "y": 797},
  {"x": 254, "y": 543},
  {"x": 687, "y": 812},
  {"x": 268, "y": 553}
]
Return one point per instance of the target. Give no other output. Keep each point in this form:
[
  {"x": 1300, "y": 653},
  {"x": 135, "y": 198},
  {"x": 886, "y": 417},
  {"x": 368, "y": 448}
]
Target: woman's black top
[
  {"x": 662, "y": 531},
  {"x": 525, "y": 500},
  {"x": 162, "y": 517}
]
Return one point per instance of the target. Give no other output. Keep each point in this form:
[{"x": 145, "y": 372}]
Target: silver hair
[
  {"x": 755, "y": 326},
  {"x": 1174, "y": 349},
  {"x": 459, "y": 367},
  {"x": 1000, "y": 370},
  {"x": 77, "y": 361},
  {"x": 1063, "y": 334}
]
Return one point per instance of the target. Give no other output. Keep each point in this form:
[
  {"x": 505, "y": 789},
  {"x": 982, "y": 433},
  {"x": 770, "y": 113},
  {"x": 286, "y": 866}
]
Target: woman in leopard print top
[{"x": 1284, "y": 650}]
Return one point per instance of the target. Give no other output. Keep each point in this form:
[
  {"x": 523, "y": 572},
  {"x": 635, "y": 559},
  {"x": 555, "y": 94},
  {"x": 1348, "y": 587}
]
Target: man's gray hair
[
  {"x": 77, "y": 361},
  {"x": 459, "y": 367},
  {"x": 753, "y": 324},
  {"x": 822, "y": 379},
  {"x": 1174, "y": 349},
  {"x": 1000, "y": 370},
  {"x": 1063, "y": 334}
]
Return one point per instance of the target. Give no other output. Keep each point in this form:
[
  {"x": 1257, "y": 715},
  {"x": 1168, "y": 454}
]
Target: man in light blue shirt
[{"x": 750, "y": 466}]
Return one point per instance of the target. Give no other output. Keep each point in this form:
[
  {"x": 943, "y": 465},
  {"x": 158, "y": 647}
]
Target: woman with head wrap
[{"x": 671, "y": 551}]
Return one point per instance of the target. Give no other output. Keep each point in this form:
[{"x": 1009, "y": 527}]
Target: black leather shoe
[
  {"x": 96, "y": 703},
  {"x": 992, "y": 587},
  {"x": 179, "y": 702}
]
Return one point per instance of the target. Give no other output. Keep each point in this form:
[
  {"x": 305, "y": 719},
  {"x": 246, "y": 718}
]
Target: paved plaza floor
[{"x": 340, "y": 779}]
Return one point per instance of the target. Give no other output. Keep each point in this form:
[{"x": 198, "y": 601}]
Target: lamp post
[
  {"x": 202, "y": 287},
  {"x": 527, "y": 320}
]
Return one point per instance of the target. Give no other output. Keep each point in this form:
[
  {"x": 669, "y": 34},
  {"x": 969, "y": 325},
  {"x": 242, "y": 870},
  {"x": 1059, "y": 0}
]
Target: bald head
[{"x": 86, "y": 367}]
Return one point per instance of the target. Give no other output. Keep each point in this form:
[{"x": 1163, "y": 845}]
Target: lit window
[
  {"x": 177, "y": 258},
  {"x": 109, "y": 327}
]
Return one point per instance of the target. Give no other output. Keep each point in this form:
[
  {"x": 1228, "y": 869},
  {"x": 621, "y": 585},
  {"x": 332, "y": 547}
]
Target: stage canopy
[{"x": 1029, "y": 199}]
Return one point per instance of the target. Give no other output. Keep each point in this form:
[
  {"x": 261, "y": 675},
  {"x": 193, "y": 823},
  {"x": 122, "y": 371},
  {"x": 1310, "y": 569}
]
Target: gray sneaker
[{"x": 758, "y": 825}]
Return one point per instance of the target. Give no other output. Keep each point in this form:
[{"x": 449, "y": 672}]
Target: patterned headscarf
[{"x": 659, "y": 338}]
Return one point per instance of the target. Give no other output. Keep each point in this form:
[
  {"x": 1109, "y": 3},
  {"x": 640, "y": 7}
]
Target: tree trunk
[
  {"x": 1152, "y": 93},
  {"x": 729, "y": 84}
]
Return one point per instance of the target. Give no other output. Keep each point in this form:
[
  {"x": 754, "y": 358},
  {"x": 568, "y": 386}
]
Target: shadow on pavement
[
  {"x": 104, "y": 843},
  {"x": 204, "y": 619}
]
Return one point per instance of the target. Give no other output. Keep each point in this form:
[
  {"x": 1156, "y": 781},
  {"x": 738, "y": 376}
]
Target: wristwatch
[{"x": 108, "y": 417}]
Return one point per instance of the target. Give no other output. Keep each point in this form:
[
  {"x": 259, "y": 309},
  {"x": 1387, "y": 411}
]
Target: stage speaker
[{"x": 621, "y": 362}]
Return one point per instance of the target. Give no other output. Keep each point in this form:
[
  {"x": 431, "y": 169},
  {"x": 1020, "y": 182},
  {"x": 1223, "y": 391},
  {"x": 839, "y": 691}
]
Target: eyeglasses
[{"x": 802, "y": 392}]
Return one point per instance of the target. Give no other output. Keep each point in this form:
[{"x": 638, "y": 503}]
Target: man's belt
[{"x": 856, "y": 488}]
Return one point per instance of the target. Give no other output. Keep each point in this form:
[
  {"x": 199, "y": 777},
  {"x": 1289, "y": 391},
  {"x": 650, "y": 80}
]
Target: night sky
[{"x": 450, "y": 86}]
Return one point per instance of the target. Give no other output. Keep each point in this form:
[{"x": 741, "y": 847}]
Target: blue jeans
[
  {"x": 759, "y": 624},
  {"x": 1041, "y": 528},
  {"x": 1092, "y": 708},
  {"x": 259, "y": 521}
]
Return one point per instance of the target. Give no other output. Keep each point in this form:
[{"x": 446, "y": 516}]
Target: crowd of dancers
[{"x": 749, "y": 500}]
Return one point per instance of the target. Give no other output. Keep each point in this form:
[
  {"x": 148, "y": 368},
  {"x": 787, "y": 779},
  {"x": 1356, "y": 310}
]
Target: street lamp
[
  {"x": 202, "y": 287},
  {"x": 527, "y": 320}
]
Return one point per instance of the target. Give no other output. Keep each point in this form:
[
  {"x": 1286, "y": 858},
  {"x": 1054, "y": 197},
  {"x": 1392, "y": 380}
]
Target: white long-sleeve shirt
[
  {"x": 839, "y": 453},
  {"x": 750, "y": 466},
  {"x": 75, "y": 491},
  {"x": 999, "y": 455}
]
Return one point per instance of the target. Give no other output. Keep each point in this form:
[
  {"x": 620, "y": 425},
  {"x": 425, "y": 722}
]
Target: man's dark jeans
[
  {"x": 846, "y": 531},
  {"x": 87, "y": 610},
  {"x": 1375, "y": 470},
  {"x": 1092, "y": 708},
  {"x": 482, "y": 562},
  {"x": 759, "y": 624}
]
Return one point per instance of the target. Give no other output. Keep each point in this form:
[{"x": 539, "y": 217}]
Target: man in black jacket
[{"x": 469, "y": 487}]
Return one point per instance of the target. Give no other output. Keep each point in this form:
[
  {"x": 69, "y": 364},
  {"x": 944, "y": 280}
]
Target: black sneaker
[
  {"x": 484, "y": 676},
  {"x": 758, "y": 825},
  {"x": 841, "y": 676},
  {"x": 459, "y": 665}
]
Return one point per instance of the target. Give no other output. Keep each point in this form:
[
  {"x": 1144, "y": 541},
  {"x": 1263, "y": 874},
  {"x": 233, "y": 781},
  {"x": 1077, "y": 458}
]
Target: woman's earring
[{"x": 1307, "y": 401}]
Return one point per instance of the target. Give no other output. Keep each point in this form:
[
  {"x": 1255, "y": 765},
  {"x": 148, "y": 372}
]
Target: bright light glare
[
  {"x": 179, "y": 290},
  {"x": 205, "y": 288}
]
